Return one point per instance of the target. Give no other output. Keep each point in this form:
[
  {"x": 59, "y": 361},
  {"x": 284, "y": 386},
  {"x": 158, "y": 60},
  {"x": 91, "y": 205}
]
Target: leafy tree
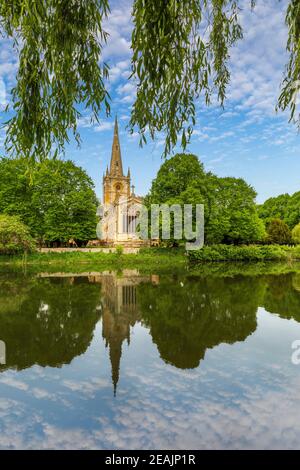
[
  {"x": 237, "y": 199},
  {"x": 180, "y": 54},
  {"x": 296, "y": 234},
  {"x": 278, "y": 232},
  {"x": 14, "y": 236},
  {"x": 229, "y": 203},
  {"x": 59, "y": 44},
  {"x": 274, "y": 208},
  {"x": 292, "y": 217},
  {"x": 56, "y": 199},
  {"x": 284, "y": 207},
  {"x": 174, "y": 176}
]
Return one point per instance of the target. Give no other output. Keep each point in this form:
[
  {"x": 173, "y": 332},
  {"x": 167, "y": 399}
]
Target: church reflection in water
[
  {"x": 120, "y": 311},
  {"x": 50, "y": 319}
]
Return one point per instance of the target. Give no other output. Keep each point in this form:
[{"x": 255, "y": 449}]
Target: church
[{"x": 120, "y": 209}]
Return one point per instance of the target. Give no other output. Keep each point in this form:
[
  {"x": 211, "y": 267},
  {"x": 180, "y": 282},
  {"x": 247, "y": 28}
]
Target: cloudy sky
[{"x": 246, "y": 139}]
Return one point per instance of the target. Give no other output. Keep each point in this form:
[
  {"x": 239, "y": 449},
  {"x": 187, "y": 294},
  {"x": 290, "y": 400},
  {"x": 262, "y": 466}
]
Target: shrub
[
  {"x": 119, "y": 250},
  {"x": 296, "y": 234},
  {"x": 14, "y": 236},
  {"x": 278, "y": 232}
]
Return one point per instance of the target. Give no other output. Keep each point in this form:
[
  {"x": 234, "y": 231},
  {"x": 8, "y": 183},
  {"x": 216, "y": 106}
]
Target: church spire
[
  {"x": 116, "y": 167},
  {"x": 115, "y": 353}
]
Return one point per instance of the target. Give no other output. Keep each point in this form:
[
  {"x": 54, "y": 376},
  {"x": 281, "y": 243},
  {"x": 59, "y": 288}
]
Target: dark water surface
[{"x": 121, "y": 361}]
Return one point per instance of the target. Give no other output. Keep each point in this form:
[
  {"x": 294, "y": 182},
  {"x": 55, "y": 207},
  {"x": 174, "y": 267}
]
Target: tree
[
  {"x": 237, "y": 200},
  {"x": 292, "y": 217},
  {"x": 180, "y": 53},
  {"x": 274, "y": 208},
  {"x": 14, "y": 236},
  {"x": 284, "y": 207},
  {"x": 229, "y": 203},
  {"x": 296, "y": 234},
  {"x": 59, "y": 45},
  {"x": 278, "y": 232},
  {"x": 174, "y": 176},
  {"x": 56, "y": 199}
]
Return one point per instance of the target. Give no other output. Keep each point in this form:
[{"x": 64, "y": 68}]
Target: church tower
[
  {"x": 119, "y": 213},
  {"x": 115, "y": 184}
]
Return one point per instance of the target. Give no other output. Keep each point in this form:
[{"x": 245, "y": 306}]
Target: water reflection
[
  {"x": 47, "y": 321},
  {"x": 120, "y": 312},
  {"x": 50, "y": 319}
]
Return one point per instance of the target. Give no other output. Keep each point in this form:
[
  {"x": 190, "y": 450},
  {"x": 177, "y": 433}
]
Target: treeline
[
  {"x": 230, "y": 210},
  {"x": 54, "y": 202},
  {"x": 51, "y": 202},
  {"x": 231, "y": 213},
  {"x": 282, "y": 214}
]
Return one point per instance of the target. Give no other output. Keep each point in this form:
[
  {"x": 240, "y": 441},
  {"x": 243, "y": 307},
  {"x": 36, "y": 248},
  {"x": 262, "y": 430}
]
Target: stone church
[{"x": 120, "y": 208}]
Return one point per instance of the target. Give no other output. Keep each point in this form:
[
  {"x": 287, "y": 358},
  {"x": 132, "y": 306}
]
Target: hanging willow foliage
[
  {"x": 59, "y": 44},
  {"x": 180, "y": 54},
  {"x": 291, "y": 83}
]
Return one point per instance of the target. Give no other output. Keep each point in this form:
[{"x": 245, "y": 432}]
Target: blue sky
[{"x": 246, "y": 139}]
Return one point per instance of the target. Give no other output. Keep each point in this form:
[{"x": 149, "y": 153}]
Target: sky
[{"x": 246, "y": 139}]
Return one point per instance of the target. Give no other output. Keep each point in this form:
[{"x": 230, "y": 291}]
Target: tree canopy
[
  {"x": 180, "y": 53},
  {"x": 229, "y": 203},
  {"x": 14, "y": 236},
  {"x": 56, "y": 200},
  {"x": 278, "y": 232},
  {"x": 284, "y": 207},
  {"x": 296, "y": 234}
]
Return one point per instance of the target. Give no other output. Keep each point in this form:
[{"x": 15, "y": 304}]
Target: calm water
[{"x": 106, "y": 360}]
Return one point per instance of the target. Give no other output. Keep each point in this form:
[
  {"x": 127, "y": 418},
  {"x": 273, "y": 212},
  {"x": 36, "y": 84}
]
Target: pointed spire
[
  {"x": 115, "y": 353},
  {"x": 116, "y": 167},
  {"x": 128, "y": 174}
]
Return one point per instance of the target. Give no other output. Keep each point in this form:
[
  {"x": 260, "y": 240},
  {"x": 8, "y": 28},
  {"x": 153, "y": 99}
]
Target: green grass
[
  {"x": 157, "y": 259},
  {"x": 146, "y": 261}
]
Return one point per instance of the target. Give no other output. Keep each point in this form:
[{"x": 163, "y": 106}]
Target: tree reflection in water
[{"x": 50, "y": 319}]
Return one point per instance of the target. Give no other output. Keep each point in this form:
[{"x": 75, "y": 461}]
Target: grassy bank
[
  {"x": 245, "y": 253},
  {"x": 155, "y": 259},
  {"x": 146, "y": 261}
]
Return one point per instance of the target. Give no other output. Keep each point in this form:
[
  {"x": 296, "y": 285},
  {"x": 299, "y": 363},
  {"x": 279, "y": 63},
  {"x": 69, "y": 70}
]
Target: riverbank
[
  {"x": 219, "y": 253},
  {"x": 145, "y": 260},
  {"x": 157, "y": 259}
]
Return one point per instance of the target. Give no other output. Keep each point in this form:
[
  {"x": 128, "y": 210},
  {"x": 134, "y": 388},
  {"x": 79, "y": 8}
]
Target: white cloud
[
  {"x": 3, "y": 101},
  {"x": 104, "y": 126},
  {"x": 13, "y": 382},
  {"x": 257, "y": 62},
  {"x": 119, "y": 28}
]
